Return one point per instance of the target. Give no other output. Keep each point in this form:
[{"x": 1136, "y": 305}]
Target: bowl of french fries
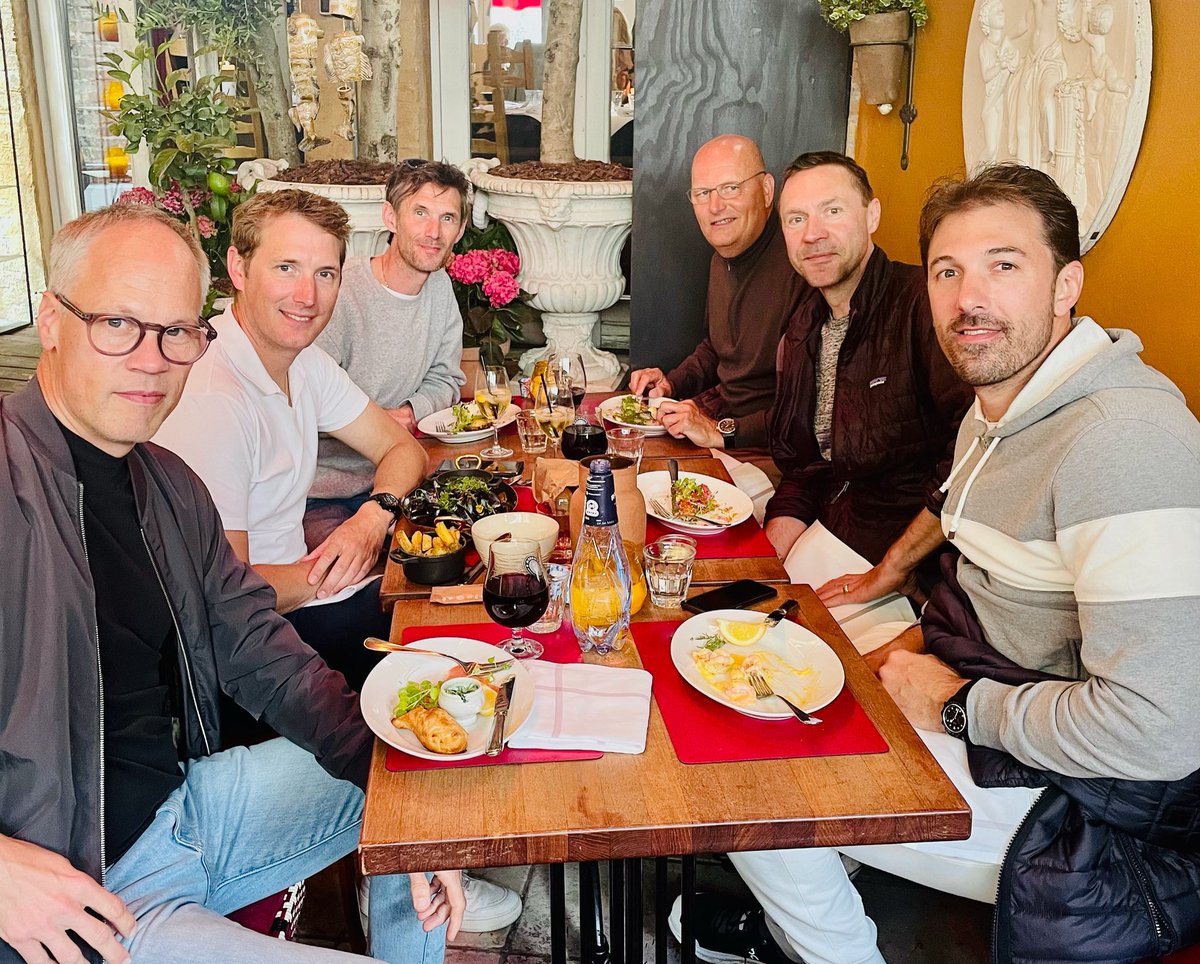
[{"x": 434, "y": 558}]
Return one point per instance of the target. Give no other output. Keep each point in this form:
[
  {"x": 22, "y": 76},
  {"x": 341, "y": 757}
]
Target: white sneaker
[{"x": 489, "y": 906}]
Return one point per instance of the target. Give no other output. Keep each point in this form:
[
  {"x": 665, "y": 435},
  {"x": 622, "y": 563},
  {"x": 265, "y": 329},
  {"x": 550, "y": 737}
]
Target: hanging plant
[{"x": 841, "y": 13}]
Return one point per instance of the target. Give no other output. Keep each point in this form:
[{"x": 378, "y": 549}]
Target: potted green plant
[
  {"x": 569, "y": 218},
  {"x": 878, "y": 30},
  {"x": 484, "y": 271}
]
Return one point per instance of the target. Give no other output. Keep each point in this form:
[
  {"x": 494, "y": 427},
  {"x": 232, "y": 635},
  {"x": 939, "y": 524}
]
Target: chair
[{"x": 494, "y": 69}]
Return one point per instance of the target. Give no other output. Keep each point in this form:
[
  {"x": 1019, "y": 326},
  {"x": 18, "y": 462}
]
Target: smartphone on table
[{"x": 737, "y": 595}]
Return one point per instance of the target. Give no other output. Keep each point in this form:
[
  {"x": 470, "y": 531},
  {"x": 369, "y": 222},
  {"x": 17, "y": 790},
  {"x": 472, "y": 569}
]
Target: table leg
[
  {"x": 633, "y": 910},
  {"x": 558, "y": 914},
  {"x": 687, "y": 909},
  {"x": 616, "y": 909},
  {"x": 662, "y": 908},
  {"x": 593, "y": 945}
]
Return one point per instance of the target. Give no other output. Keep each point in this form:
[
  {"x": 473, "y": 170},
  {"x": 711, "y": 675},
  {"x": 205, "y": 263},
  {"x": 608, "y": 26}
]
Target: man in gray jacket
[
  {"x": 124, "y": 614},
  {"x": 1075, "y": 505}
]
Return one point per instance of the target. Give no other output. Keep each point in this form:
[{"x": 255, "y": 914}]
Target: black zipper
[
  {"x": 179, "y": 641},
  {"x": 1001, "y": 951},
  {"x": 1162, "y": 928},
  {"x": 100, "y": 702}
]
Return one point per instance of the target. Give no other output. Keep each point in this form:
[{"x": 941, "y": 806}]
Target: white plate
[
  {"x": 657, "y": 485},
  {"x": 607, "y": 410},
  {"x": 383, "y": 685},
  {"x": 429, "y": 425},
  {"x": 791, "y": 643}
]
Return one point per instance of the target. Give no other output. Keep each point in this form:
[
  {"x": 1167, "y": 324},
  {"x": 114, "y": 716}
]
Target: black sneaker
[{"x": 729, "y": 931}]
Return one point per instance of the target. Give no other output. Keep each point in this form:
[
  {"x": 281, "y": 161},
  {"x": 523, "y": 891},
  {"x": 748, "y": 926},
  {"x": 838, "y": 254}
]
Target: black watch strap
[
  {"x": 954, "y": 712},
  {"x": 728, "y": 428},
  {"x": 387, "y": 502}
]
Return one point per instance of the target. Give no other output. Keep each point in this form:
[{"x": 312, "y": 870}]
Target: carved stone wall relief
[{"x": 1063, "y": 86}]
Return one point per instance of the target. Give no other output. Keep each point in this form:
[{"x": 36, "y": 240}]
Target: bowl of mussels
[{"x": 458, "y": 497}]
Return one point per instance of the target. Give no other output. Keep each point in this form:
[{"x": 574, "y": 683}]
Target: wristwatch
[
  {"x": 387, "y": 502},
  {"x": 954, "y": 712},
  {"x": 728, "y": 429}
]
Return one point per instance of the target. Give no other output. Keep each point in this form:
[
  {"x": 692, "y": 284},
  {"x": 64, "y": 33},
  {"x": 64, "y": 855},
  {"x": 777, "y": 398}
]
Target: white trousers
[{"x": 813, "y": 906}]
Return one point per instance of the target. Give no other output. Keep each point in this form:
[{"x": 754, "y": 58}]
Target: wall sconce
[{"x": 879, "y": 67}]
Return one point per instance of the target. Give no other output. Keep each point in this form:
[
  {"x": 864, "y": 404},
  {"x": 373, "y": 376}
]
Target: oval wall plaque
[{"x": 1063, "y": 86}]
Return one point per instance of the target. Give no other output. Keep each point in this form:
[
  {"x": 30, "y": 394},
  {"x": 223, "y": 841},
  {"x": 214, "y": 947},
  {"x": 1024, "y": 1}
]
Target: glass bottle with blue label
[{"x": 600, "y": 581}]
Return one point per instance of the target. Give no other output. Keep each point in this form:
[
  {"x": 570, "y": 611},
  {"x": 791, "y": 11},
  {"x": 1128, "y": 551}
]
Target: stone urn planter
[
  {"x": 362, "y": 202},
  {"x": 880, "y": 68},
  {"x": 569, "y": 235}
]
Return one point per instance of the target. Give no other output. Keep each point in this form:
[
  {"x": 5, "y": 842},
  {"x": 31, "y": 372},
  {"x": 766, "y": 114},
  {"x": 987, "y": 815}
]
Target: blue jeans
[
  {"x": 322, "y": 516},
  {"x": 249, "y": 822}
]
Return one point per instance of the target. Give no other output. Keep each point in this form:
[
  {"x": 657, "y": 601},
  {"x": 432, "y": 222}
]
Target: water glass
[
  {"x": 627, "y": 442},
  {"x": 533, "y": 439},
  {"x": 668, "y": 563},
  {"x": 557, "y": 579}
]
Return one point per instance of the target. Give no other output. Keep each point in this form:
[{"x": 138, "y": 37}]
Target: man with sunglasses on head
[
  {"x": 396, "y": 328},
  {"x": 725, "y": 387},
  {"x": 125, "y": 832}
]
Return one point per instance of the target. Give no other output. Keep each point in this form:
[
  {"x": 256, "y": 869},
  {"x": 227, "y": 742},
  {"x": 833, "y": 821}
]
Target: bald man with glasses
[{"x": 724, "y": 388}]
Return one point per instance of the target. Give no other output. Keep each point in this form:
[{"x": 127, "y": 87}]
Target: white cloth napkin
[
  {"x": 818, "y": 556},
  {"x": 582, "y": 706},
  {"x": 750, "y": 479}
]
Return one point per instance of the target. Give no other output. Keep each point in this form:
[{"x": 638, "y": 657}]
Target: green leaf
[
  {"x": 162, "y": 160},
  {"x": 121, "y": 75}
]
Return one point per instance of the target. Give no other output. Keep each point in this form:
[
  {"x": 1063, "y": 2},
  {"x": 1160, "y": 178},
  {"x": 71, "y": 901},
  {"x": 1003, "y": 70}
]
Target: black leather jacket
[{"x": 231, "y": 639}]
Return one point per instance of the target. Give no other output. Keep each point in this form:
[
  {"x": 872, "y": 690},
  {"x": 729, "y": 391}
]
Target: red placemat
[
  {"x": 560, "y": 648},
  {"x": 705, "y": 731},
  {"x": 744, "y": 541}
]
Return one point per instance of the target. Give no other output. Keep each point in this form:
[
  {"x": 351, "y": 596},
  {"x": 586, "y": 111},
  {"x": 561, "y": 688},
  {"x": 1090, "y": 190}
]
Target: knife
[
  {"x": 496, "y": 743},
  {"x": 774, "y": 617},
  {"x": 673, "y": 470}
]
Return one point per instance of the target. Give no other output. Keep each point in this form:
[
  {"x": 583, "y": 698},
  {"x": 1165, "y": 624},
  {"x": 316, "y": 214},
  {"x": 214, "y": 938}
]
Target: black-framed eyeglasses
[
  {"x": 115, "y": 335},
  {"x": 727, "y": 192}
]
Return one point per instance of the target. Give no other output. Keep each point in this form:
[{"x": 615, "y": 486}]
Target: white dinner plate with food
[
  {"x": 696, "y": 495},
  {"x": 454, "y": 425},
  {"x": 793, "y": 661},
  {"x": 627, "y": 411},
  {"x": 381, "y": 692}
]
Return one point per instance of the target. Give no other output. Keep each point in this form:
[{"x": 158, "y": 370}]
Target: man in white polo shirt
[{"x": 249, "y": 420}]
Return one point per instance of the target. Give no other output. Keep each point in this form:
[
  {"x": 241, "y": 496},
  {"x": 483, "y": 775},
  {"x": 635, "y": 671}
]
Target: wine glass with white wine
[
  {"x": 553, "y": 412},
  {"x": 493, "y": 394}
]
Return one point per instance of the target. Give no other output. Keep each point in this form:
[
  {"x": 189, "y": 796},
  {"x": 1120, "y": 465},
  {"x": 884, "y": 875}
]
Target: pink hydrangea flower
[
  {"x": 501, "y": 288},
  {"x": 198, "y": 196},
  {"x": 206, "y": 226},
  {"x": 137, "y": 195},
  {"x": 172, "y": 201},
  {"x": 506, "y": 261},
  {"x": 470, "y": 268},
  {"x": 234, "y": 187}
]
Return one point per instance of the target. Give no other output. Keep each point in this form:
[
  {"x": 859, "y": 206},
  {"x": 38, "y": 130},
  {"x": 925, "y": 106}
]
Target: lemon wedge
[
  {"x": 740, "y": 633},
  {"x": 489, "y": 702}
]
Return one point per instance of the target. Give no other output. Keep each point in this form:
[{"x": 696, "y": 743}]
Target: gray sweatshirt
[
  {"x": 397, "y": 349},
  {"x": 1078, "y": 516}
]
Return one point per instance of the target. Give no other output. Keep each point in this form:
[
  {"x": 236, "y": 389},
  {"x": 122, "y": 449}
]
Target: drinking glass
[
  {"x": 583, "y": 439},
  {"x": 515, "y": 593},
  {"x": 553, "y": 416},
  {"x": 628, "y": 442},
  {"x": 569, "y": 369},
  {"x": 493, "y": 394},
  {"x": 557, "y": 578},
  {"x": 668, "y": 563},
  {"x": 533, "y": 439}
]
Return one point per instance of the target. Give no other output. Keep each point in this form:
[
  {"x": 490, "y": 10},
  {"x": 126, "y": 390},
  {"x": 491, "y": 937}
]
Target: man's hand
[
  {"x": 685, "y": 420},
  {"x": 350, "y": 551},
  {"x": 920, "y": 684},
  {"x": 783, "y": 531},
  {"x": 867, "y": 586},
  {"x": 653, "y": 378},
  {"x": 42, "y": 897},
  {"x": 439, "y": 900},
  {"x": 404, "y": 415}
]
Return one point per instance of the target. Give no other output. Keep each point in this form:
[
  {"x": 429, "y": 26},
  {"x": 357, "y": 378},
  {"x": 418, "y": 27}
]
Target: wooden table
[{"x": 623, "y": 806}]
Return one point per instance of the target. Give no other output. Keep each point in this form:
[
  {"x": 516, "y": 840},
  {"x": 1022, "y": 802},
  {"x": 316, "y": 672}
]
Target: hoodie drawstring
[{"x": 988, "y": 448}]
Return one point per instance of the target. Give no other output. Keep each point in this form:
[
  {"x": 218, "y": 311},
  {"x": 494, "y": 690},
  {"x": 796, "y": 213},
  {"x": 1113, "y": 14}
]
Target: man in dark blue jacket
[{"x": 123, "y": 615}]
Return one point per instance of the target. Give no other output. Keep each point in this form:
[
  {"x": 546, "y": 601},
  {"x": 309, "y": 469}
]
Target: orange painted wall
[{"x": 1144, "y": 272}]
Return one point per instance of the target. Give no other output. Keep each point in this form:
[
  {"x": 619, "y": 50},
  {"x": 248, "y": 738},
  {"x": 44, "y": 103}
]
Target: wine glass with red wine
[
  {"x": 568, "y": 368},
  {"x": 515, "y": 593}
]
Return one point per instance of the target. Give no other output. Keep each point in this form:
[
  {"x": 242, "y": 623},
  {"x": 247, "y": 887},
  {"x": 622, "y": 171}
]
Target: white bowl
[
  {"x": 533, "y": 526},
  {"x": 462, "y": 698}
]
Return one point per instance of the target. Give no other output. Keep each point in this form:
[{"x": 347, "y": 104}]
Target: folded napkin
[
  {"x": 582, "y": 706},
  {"x": 552, "y": 476}
]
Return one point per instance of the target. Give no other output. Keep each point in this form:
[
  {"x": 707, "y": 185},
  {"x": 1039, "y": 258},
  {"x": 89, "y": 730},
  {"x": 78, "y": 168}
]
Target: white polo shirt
[{"x": 256, "y": 452}]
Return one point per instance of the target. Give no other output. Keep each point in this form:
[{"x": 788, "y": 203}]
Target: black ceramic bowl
[{"x": 434, "y": 570}]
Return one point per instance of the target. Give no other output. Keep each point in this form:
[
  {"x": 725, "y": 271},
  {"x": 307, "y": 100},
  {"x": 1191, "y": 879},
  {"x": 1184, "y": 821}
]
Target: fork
[
  {"x": 659, "y": 506},
  {"x": 443, "y": 428},
  {"x": 762, "y": 689},
  {"x": 472, "y": 668}
]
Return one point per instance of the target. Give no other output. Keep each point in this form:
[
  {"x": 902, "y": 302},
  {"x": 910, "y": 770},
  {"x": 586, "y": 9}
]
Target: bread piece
[{"x": 436, "y": 729}]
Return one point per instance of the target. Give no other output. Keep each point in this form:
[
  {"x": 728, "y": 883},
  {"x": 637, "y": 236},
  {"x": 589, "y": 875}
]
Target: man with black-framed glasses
[
  {"x": 724, "y": 388},
  {"x": 125, "y": 831}
]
